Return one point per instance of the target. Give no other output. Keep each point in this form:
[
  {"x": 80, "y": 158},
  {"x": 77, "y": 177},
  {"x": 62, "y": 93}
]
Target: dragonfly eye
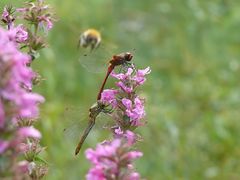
[{"x": 128, "y": 56}]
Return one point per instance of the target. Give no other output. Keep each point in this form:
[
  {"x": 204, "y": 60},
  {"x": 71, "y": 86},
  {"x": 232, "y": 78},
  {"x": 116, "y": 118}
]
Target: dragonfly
[
  {"x": 98, "y": 61},
  {"x": 94, "y": 112}
]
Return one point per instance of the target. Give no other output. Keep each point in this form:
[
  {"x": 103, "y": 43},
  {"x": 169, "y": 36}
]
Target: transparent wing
[
  {"x": 76, "y": 120},
  {"x": 96, "y": 60}
]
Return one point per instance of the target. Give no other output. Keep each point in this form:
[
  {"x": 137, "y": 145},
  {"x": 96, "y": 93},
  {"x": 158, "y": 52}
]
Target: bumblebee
[{"x": 90, "y": 38}]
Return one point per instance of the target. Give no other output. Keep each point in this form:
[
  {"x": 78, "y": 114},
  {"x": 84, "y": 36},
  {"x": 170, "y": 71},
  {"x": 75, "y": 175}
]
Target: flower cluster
[
  {"x": 7, "y": 16},
  {"x": 18, "y": 34},
  {"x": 128, "y": 105},
  {"x": 16, "y": 83},
  {"x": 18, "y": 104},
  {"x": 113, "y": 160},
  {"x": 38, "y": 14}
]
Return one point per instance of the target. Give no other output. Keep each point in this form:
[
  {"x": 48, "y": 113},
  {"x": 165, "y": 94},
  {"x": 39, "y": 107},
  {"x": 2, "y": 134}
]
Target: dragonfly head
[
  {"x": 121, "y": 58},
  {"x": 128, "y": 56}
]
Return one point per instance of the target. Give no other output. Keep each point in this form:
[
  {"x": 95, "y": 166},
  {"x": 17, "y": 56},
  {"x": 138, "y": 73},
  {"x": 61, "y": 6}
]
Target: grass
[{"x": 192, "y": 93}]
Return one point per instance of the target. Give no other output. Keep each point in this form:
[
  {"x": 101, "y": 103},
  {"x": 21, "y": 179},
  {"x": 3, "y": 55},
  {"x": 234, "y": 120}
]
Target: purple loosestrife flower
[
  {"x": 3, "y": 145},
  {"x": 7, "y": 16},
  {"x": 30, "y": 131},
  {"x": 108, "y": 97},
  {"x": 112, "y": 160},
  {"x": 128, "y": 105},
  {"x": 18, "y": 34},
  {"x": 130, "y": 137},
  {"x": 38, "y": 14},
  {"x": 134, "y": 110},
  {"x": 15, "y": 82},
  {"x": 139, "y": 78},
  {"x": 18, "y": 104}
]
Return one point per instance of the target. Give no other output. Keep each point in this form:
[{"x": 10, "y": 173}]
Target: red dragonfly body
[{"x": 116, "y": 60}]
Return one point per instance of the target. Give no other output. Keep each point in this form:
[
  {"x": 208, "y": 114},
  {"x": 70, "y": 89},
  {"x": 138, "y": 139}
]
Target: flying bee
[{"x": 90, "y": 38}]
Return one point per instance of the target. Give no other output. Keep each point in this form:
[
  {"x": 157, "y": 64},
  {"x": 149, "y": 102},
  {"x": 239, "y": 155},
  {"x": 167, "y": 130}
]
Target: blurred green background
[{"x": 192, "y": 95}]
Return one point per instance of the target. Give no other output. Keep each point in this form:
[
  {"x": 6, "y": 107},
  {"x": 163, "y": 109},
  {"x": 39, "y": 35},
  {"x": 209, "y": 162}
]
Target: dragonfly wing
[
  {"x": 95, "y": 60},
  {"x": 76, "y": 121}
]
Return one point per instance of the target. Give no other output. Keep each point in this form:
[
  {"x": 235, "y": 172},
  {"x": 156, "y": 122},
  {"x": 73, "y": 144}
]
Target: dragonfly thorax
[{"x": 121, "y": 58}]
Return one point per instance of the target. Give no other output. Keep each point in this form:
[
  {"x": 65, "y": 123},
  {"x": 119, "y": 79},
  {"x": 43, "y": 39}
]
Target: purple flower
[
  {"x": 124, "y": 87},
  {"x": 131, "y": 79},
  {"x": 108, "y": 97},
  {"x": 129, "y": 135},
  {"x": 45, "y": 20},
  {"x": 134, "y": 110},
  {"x": 7, "y": 17},
  {"x": 16, "y": 80},
  {"x": 37, "y": 13},
  {"x": 112, "y": 159},
  {"x": 96, "y": 173},
  {"x": 140, "y": 75},
  {"x": 118, "y": 131},
  {"x": 122, "y": 76},
  {"x": 134, "y": 154},
  {"x": 18, "y": 34},
  {"x": 23, "y": 166},
  {"x": 127, "y": 103},
  {"x": 3, "y": 145},
  {"x": 134, "y": 176},
  {"x": 25, "y": 132},
  {"x": 5, "y": 14}
]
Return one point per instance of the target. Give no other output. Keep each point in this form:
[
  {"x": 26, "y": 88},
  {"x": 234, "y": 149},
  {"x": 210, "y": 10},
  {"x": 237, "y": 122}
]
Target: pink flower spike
[
  {"x": 29, "y": 132},
  {"x": 108, "y": 162}
]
